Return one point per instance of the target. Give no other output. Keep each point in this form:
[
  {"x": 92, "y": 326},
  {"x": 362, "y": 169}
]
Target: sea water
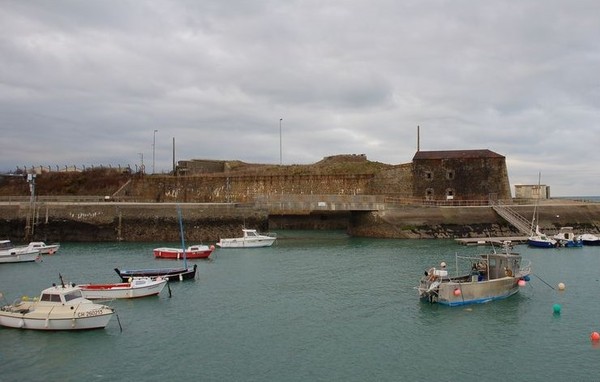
[{"x": 314, "y": 307}]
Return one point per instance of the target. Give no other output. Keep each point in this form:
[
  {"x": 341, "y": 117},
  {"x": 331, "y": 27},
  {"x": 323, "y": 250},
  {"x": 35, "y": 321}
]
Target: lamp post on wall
[
  {"x": 142, "y": 164},
  {"x": 280, "y": 156},
  {"x": 153, "y": 148}
]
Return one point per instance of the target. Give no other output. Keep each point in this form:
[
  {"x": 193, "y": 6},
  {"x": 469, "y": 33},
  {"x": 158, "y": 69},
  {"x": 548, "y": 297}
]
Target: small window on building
[
  {"x": 429, "y": 193},
  {"x": 449, "y": 174},
  {"x": 428, "y": 175},
  {"x": 449, "y": 194}
]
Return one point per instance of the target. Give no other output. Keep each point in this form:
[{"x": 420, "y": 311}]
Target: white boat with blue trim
[
  {"x": 484, "y": 278},
  {"x": 567, "y": 238}
]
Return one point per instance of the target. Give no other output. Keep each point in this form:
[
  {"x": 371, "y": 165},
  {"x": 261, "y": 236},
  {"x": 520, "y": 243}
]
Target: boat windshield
[
  {"x": 73, "y": 295},
  {"x": 5, "y": 244},
  {"x": 50, "y": 297}
]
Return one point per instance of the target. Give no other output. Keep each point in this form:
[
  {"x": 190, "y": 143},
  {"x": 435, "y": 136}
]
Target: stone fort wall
[{"x": 225, "y": 188}]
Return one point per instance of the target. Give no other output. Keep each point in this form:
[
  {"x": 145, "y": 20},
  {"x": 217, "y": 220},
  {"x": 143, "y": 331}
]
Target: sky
[{"x": 109, "y": 83}]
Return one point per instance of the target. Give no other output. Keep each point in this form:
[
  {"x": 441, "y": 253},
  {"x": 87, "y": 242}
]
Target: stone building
[
  {"x": 432, "y": 175},
  {"x": 460, "y": 175},
  {"x": 532, "y": 191}
]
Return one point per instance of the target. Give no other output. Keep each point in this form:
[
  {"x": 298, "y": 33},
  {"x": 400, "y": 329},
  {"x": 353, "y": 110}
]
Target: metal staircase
[{"x": 513, "y": 217}]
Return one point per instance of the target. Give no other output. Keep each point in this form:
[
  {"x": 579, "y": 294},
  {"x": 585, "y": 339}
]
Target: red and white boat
[
  {"x": 45, "y": 249},
  {"x": 199, "y": 251},
  {"x": 135, "y": 288}
]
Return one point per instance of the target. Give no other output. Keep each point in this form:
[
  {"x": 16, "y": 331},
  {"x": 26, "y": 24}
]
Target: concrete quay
[{"x": 207, "y": 222}]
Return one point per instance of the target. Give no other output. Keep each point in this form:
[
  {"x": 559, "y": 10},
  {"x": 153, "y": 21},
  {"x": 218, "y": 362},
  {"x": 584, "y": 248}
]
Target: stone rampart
[{"x": 221, "y": 188}]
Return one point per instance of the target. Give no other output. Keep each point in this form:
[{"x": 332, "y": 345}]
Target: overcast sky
[{"x": 88, "y": 82}]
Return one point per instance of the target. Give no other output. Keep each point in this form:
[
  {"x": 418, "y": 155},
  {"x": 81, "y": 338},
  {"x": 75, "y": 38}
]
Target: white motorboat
[
  {"x": 11, "y": 254},
  {"x": 566, "y": 238},
  {"x": 250, "y": 239},
  {"x": 589, "y": 239},
  {"x": 134, "y": 288},
  {"x": 60, "y": 307},
  {"x": 45, "y": 249}
]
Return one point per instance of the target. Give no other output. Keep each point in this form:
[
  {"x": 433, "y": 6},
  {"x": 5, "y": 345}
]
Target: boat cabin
[
  {"x": 6, "y": 245},
  {"x": 495, "y": 266},
  {"x": 60, "y": 294},
  {"x": 250, "y": 233}
]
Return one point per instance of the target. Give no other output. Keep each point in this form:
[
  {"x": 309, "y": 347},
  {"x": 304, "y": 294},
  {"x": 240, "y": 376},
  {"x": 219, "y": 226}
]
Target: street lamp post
[
  {"x": 153, "y": 148},
  {"x": 280, "y": 155},
  {"x": 142, "y": 164}
]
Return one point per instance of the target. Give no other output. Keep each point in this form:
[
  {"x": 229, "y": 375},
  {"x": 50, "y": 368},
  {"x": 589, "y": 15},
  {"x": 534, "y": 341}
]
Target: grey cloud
[{"x": 94, "y": 79}]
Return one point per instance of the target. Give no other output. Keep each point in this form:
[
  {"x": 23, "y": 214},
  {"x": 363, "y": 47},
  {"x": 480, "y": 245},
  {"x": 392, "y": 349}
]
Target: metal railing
[{"x": 513, "y": 217}]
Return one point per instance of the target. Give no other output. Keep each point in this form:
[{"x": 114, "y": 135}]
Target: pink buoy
[
  {"x": 595, "y": 336},
  {"x": 522, "y": 283},
  {"x": 457, "y": 292}
]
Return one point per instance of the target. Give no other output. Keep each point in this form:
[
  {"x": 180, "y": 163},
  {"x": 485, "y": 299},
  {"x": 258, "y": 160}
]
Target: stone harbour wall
[{"x": 207, "y": 222}]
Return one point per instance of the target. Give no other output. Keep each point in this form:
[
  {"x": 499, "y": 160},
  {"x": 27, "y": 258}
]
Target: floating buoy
[
  {"x": 522, "y": 283},
  {"x": 595, "y": 336},
  {"x": 561, "y": 286},
  {"x": 457, "y": 292},
  {"x": 556, "y": 308}
]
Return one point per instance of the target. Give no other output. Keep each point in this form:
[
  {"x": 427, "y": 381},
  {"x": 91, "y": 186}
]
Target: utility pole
[
  {"x": 174, "y": 168},
  {"x": 153, "y": 148},
  {"x": 280, "y": 152},
  {"x": 142, "y": 165}
]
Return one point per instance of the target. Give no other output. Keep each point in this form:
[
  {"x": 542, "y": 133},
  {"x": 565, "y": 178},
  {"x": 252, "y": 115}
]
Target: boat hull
[
  {"x": 23, "y": 257},
  {"x": 122, "y": 290},
  {"x": 34, "y": 317},
  {"x": 97, "y": 322},
  {"x": 172, "y": 274},
  {"x": 245, "y": 243},
  {"x": 474, "y": 292},
  {"x": 541, "y": 244},
  {"x": 174, "y": 254},
  {"x": 591, "y": 242}
]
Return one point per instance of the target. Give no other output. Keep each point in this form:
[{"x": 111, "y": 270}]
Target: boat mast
[
  {"x": 182, "y": 239},
  {"x": 534, "y": 219}
]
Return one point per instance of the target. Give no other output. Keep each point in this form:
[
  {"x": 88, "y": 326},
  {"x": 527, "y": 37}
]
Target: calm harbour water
[{"x": 317, "y": 306}]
